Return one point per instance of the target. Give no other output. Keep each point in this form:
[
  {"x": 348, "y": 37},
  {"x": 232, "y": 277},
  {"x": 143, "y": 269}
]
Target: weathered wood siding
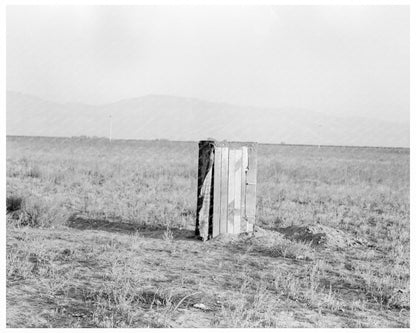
[
  {"x": 251, "y": 182},
  {"x": 217, "y": 192},
  {"x": 224, "y": 191},
  {"x": 227, "y": 178}
]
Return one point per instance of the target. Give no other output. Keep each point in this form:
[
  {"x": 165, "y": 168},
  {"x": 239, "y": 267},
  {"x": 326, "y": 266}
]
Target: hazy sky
[{"x": 348, "y": 60}]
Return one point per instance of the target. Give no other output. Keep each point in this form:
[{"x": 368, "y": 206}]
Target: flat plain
[{"x": 100, "y": 234}]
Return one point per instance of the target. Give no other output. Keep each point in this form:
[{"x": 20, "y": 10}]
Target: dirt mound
[{"x": 320, "y": 235}]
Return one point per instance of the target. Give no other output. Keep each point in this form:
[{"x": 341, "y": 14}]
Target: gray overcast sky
[{"x": 348, "y": 60}]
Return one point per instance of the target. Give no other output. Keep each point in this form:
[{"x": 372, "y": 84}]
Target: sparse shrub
[
  {"x": 248, "y": 309},
  {"x": 34, "y": 172},
  {"x": 188, "y": 212},
  {"x": 294, "y": 250},
  {"x": 13, "y": 203},
  {"x": 12, "y": 171},
  {"x": 168, "y": 234},
  {"x": 56, "y": 177},
  {"x": 17, "y": 264},
  {"x": 277, "y": 246},
  {"x": 36, "y": 212},
  {"x": 385, "y": 289},
  {"x": 286, "y": 284},
  {"x": 97, "y": 178}
]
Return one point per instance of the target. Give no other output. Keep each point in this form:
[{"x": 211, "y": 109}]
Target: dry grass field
[{"x": 100, "y": 235}]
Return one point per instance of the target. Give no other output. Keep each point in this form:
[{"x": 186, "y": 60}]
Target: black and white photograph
[{"x": 207, "y": 165}]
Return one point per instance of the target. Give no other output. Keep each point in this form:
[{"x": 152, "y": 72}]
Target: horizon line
[{"x": 86, "y": 137}]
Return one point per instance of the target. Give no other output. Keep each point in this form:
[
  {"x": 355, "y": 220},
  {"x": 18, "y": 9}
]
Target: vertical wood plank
[
  {"x": 244, "y": 167},
  {"x": 204, "y": 189},
  {"x": 237, "y": 190},
  {"x": 251, "y": 188},
  {"x": 217, "y": 192},
  {"x": 231, "y": 190},
  {"x": 224, "y": 191},
  {"x": 202, "y": 170}
]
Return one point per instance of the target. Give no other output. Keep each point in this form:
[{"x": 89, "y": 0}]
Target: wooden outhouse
[{"x": 227, "y": 177}]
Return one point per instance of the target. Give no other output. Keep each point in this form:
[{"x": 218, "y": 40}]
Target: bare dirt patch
[{"x": 321, "y": 235}]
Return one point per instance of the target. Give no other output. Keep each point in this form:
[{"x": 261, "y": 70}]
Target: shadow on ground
[{"x": 84, "y": 223}]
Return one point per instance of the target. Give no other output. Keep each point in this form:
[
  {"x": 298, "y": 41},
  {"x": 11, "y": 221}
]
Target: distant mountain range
[{"x": 178, "y": 118}]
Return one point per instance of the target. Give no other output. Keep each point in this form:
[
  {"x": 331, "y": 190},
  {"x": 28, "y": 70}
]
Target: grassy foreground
[{"x": 100, "y": 235}]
